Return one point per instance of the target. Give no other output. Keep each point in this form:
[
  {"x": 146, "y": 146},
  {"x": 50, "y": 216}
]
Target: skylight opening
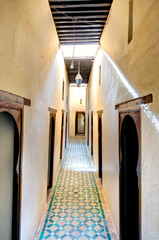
[{"x": 79, "y": 51}]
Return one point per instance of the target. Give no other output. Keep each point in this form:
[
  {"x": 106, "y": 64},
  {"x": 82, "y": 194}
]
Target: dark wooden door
[
  {"x": 100, "y": 146},
  {"x": 51, "y": 152},
  {"x": 62, "y": 125},
  {"x": 88, "y": 131},
  {"x": 129, "y": 176},
  {"x": 91, "y": 133}
]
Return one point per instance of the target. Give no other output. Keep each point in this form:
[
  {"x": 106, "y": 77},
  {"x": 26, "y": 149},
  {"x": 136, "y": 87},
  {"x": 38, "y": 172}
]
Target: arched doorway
[
  {"x": 80, "y": 123},
  {"x": 92, "y": 133},
  {"x": 51, "y": 152},
  {"x": 62, "y": 125},
  {"x": 100, "y": 146},
  {"x": 66, "y": 130},
  {"x": 9, "y": 174},
  {"x": 129, "y": 182},
  {"x": 88, "y": 131}
]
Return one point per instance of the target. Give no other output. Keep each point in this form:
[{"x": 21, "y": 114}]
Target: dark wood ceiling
[
  {"x": 79, "y": 21},
  {"x": 85, "y": 68}
]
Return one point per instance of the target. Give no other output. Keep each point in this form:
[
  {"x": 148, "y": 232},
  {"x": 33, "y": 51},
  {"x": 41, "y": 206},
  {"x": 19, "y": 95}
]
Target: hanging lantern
[{"x": 78, "y": 77}]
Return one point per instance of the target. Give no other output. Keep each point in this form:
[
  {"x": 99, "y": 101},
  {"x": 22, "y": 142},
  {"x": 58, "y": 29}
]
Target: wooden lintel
[
  {"x": 100, "y": 112},
  {"x": 135, "y": 102},
  {"x": 27, "y": 102},
  {"x": 12, "y": 99},
  {"x": 11, "y": 105},
  {"x": 62, "y": 110},
  {"x": 52, "y": 110}
]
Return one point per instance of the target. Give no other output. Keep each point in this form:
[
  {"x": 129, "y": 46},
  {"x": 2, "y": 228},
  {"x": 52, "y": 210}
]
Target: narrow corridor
[{"x": 75, "y": 210}]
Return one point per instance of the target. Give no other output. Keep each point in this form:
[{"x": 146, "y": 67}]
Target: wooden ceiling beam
[
  {"x": 79, "y": 38},
  {"x": 80, "y": 12},
  {"x": 80, "y": 30},
  {"x": 83, "y": 18},
  {"x": 61, "y": 35},
  {"x": 59, "y": 22},
  {"x": 79, "y": 5},
  {"x": 70, "y": 1},
  {"x": 80, "y": 26},
  {"x": 79, "y": 42}
]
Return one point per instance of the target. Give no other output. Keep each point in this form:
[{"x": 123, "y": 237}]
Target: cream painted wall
[
  {"x": 32, "y": 65},
  {"x": 76, "y": 93},
  {"x": 139, "y": 60}
]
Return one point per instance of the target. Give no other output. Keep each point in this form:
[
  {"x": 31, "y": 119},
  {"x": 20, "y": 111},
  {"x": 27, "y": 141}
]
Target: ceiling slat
[
  {"x": 80, "y": 34},
  {"x": 53, "y": 5},
  {"x": 83, "y": 18},
  {"x": 80, "y": 38},
  {"x": 63, "y": 22},
  {"x": 80, "y": 26},
  {"x": 70, "y": 1},
  {"x": 80, "y": 30},
  {"x": 79, "y": 42},
  {"x": 81, "y": 12}
]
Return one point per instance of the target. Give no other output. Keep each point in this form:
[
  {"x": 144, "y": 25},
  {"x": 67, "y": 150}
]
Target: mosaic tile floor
[{"x": 75, "y": 210}]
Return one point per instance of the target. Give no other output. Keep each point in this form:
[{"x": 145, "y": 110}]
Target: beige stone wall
[
  {"x": 139, "y": 61},
  {"x": 32, "y": 66},
  {"x": 76, "y": 93}
]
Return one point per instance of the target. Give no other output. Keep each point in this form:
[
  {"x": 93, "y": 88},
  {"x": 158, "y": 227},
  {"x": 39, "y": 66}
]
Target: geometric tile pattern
[{"x": 75, "y": 210}]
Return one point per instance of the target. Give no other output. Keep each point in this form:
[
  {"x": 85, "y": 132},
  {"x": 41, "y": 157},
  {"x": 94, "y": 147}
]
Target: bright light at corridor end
[{"x": 79, "y": 51}]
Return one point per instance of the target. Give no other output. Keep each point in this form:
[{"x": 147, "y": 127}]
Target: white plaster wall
[
  {"x": 31, "y": 65},
  {"x": 76, "y": 93},
  {"x": 139, "y": 60}
]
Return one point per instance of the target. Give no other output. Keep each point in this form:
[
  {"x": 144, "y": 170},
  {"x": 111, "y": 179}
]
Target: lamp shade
[{"x": 78, "y": 78}]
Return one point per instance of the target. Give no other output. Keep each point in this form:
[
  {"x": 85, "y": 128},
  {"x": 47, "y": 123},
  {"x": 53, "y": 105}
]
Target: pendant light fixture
[
  {"x": 78, "y": 77},
  {"x": 72, "y": 62}
]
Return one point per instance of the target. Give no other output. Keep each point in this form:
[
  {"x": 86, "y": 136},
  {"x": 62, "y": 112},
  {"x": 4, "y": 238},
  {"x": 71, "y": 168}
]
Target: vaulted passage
[{"x": 75, "y": 210}]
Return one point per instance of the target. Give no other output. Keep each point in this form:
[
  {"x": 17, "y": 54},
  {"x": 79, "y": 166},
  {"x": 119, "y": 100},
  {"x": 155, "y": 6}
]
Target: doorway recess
[
  {"x": 80, "y": 123},
  {"x": 12, "y": 111}
]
